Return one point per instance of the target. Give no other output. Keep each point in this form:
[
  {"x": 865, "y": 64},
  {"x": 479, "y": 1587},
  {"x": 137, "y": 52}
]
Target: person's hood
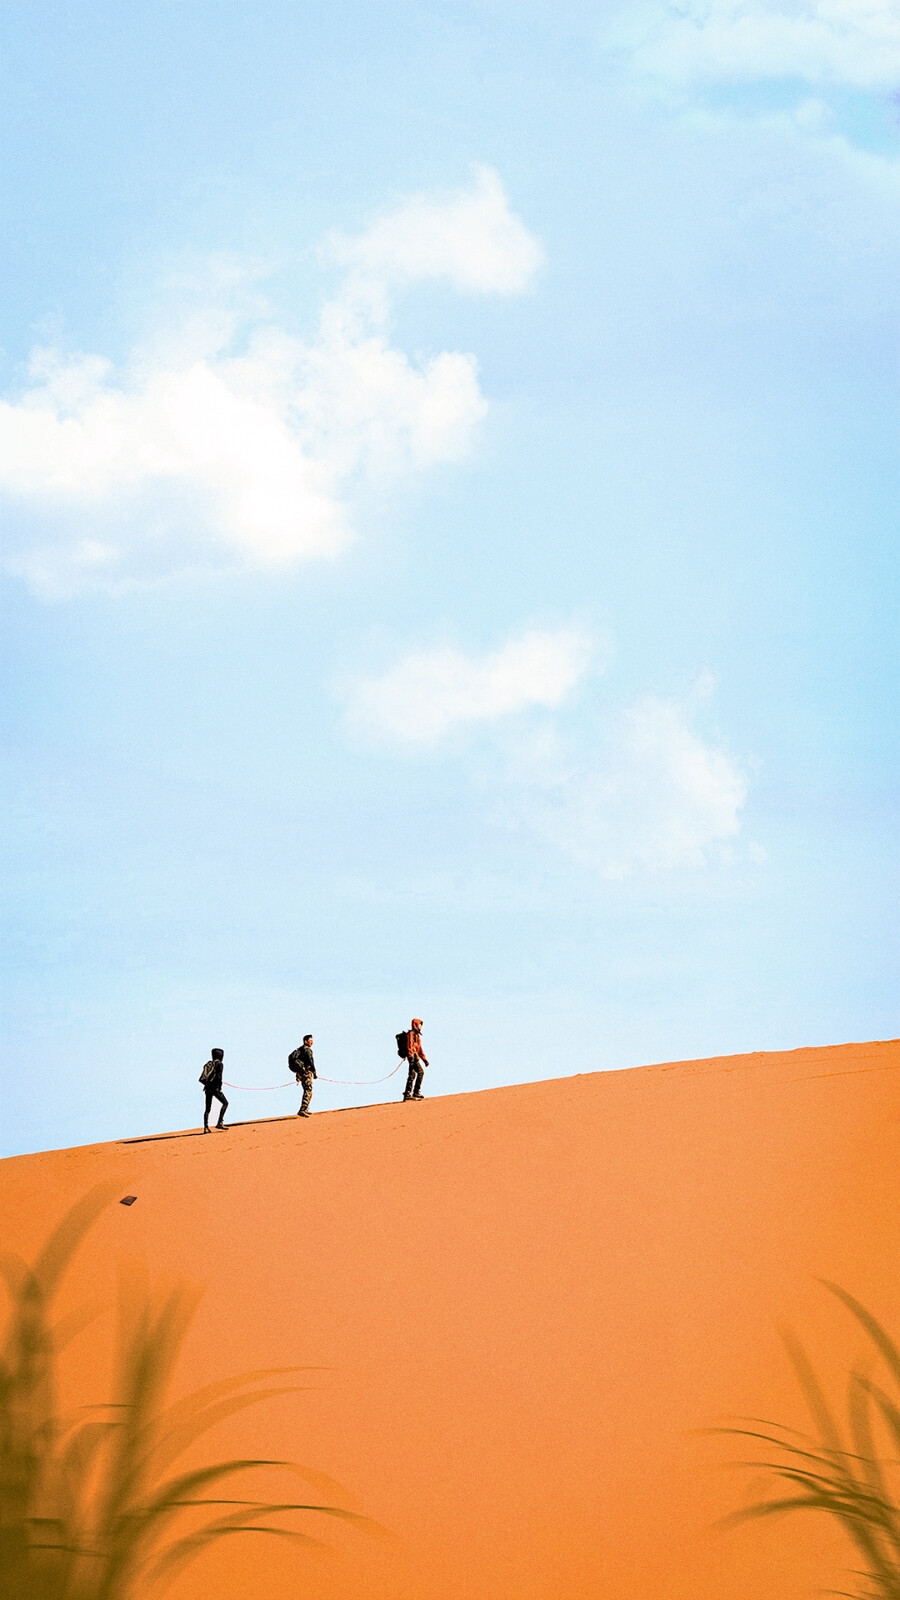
[{"x": 417, "y": 1023}]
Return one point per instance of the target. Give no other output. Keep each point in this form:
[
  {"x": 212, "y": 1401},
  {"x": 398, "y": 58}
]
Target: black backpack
[
  {"x": 294, "y": 1064},
  {"x": 403, "y": 1046}
]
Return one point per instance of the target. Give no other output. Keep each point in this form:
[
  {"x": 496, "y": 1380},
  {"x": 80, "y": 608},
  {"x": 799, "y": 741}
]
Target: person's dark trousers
[
  {"x": 211, "y": 1095},
  {"x": 413, "y": 1090},
  {"x": 307, "y": 1082}
]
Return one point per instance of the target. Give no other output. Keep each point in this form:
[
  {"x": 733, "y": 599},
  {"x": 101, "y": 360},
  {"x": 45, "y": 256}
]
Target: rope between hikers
[{"x": 265, "y": 1088}]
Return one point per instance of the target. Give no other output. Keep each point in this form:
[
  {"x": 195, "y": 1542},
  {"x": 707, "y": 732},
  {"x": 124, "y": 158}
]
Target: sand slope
[{"x": 524, "y": 1301}]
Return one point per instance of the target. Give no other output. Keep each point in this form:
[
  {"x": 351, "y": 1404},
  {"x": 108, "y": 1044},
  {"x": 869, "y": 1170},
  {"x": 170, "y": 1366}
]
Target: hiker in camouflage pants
[{"x": 303, "y": 1067}]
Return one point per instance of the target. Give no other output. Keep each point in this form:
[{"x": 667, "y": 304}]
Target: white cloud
[
  {"x": 661, "y": 798},
  {"x": 196, "y": 454},
  {"x": 851, "y": 42},
  {"x": 426, "y": 694},
  {"x": 469, "y": 239},
  {"x": 650, "y": 795}
]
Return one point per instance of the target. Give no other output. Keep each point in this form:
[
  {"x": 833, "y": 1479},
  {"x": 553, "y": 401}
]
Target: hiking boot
[
  {"x": 304, "y": 1113},
  {"x": 417, "y": 1097}
]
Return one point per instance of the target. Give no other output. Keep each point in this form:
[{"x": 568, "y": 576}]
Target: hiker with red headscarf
[{"x": 418, "y": 1061}]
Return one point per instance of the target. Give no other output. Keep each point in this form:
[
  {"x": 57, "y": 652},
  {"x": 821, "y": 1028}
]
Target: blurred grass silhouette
[
  {"x": 841, "y": 1469},
  {"x": 93, "y": 1506}
]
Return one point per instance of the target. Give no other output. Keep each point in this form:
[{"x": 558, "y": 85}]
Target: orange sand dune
[{"x": 525, "y": 1302}]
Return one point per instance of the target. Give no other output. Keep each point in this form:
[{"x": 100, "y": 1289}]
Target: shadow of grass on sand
[
  {"x": 94, "y": 1506},
  {"x": 848, "y": 1468}
]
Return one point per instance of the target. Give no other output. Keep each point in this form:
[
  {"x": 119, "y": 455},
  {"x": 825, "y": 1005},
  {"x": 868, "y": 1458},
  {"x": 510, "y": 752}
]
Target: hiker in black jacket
[
  {"x": 211, "y": 1079},
  {"x": 302, "y": 1064}
]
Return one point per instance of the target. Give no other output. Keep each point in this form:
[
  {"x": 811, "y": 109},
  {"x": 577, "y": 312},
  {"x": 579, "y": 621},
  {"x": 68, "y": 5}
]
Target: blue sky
[{"x": 448, "y": 479}]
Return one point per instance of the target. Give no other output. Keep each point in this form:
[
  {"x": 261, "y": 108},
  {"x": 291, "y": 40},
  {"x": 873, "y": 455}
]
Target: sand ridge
[{"x": 522, "y": 1304}]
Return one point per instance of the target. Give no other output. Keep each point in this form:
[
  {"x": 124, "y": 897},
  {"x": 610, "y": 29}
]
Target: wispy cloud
[
  {"x": 620, "y": 792},
  {"x": 232, "y": 441},
  {"x": 850, "y": 42},
  {"x": 428, "y": 693},
  {"x": 469, "y": 239},
  {"x": 661, "y": 797}
]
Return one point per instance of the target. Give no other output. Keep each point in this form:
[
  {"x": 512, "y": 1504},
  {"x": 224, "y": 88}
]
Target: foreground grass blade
[
  {"x": 841, "y": 1475},
  {"x": 94, "y": 1507}
]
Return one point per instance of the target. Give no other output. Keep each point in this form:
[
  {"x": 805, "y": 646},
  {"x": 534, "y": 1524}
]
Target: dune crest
[{"x": 522, "y": 1304}]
